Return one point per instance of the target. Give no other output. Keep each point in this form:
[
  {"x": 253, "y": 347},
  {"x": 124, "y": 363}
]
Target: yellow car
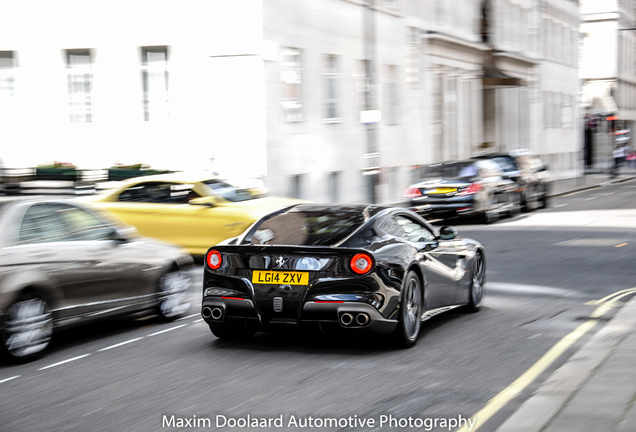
[{"x": 195, "y": 211}]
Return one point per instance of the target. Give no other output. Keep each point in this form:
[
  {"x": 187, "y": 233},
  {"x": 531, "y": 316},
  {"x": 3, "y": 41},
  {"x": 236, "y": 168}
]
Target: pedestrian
[
  {"x": 618, "y": 154},
  {"x": 631, "y": 159}
]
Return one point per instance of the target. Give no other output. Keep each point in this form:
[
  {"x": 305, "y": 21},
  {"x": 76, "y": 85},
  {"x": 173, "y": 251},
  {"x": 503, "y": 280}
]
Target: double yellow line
[{"x": 520, "y": 384}]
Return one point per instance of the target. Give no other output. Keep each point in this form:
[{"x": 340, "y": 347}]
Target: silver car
[{"x": 63, "y": 264}]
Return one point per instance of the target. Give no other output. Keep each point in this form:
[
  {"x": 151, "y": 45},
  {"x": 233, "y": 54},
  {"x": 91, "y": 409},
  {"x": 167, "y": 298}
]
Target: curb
[
  {"x": 556, "y": 394},
  {"x": 589, "y": 187}
]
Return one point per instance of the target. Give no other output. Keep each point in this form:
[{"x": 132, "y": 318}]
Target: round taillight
[
  {"x": 214, "y": 259},
  {"x": 361, "y": 263}
]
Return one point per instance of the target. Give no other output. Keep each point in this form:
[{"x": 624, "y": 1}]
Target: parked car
[
  {"x": 527, "y": 170},
  {"x": 62, "y": 264},
  {"x": 194, "y": 211},
  {"x": 355, "y": 269},
  {"x": 475, "y": 188}
]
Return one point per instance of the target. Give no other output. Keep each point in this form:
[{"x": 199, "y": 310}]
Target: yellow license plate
[
  {"x": 441, "y": 191},
  {"x": 280, "y": 277}
]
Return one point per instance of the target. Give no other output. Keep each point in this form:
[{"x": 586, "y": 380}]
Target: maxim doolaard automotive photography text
[{"x": 293, "y": 422}]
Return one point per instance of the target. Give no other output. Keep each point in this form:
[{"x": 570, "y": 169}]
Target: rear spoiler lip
[{"x": 288, "y": 249}]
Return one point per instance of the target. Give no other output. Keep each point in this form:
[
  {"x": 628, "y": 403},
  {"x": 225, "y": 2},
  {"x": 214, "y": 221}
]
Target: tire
[
  {"x": 410, "y": 312},
  {"x": 543, "y": 201},
  {"x": 174, "y": 289},
  {"x": 476, "y": 291},
  {"x": 490, "y": 216},
  {"x": 517, "y": 206},
  {"x": 27, "y": 328},
  {"x": 525, "y": 206}
]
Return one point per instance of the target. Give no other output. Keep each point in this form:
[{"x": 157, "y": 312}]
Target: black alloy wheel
[
  {"x": 476, "y": 291},
  {"x": 410, "y": 312}
]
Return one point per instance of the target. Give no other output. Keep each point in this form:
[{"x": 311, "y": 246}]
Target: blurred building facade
[
  {"x": 355, "y": 85},
  {"x": 164, "y": 83},
  {"x": 608, "y": 73},
  {"x": 328, "y": 100}
]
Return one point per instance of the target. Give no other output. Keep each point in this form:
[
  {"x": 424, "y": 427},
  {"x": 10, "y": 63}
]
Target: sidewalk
[
  {"x": 595, "y": 390},
  {"x": 587, "y": 181}
]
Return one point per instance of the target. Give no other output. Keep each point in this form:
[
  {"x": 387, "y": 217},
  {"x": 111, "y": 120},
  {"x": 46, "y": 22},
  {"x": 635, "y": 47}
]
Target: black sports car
[{"x": 357, "y": 268}]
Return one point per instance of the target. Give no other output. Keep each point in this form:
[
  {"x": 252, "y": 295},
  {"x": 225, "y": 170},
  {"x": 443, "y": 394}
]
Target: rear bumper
[
  {"x": 355, "y": 317},
  {"x": 454, "y": 206}
]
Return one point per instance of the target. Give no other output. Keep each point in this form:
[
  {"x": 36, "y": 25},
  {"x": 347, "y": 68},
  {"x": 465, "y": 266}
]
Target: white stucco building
[
  {"x": 328, "y": 100},
  {"x": 165, "y": 83},
  {"x": 608, "y": 73},
  {"x": 450, "y": 79}
]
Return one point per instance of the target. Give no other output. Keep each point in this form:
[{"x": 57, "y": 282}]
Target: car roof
[
  {"x": 452, "y": 162},
  {"x": 370, "y": 209},
  {"x": 180, "y": 177},
  {"x": 511, "y": 153}
]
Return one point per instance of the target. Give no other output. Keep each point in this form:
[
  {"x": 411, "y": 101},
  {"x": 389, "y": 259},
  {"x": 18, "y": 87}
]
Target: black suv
[{"x": 526, "y": 169}]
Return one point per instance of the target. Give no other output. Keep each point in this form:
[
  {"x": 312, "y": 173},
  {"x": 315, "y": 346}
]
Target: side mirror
[
  {"x": 201, "y": 202},
  {"x": 447, "y": 233},
  {"x": 122, "y": 234}
]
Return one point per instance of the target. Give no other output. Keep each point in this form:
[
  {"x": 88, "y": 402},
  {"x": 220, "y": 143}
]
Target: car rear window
[
  {"x": 506, "y": 163},
  {"x": 307, "y": 228},
  {"x": 460, "y": 170},
  {"x": 231, "y": 192}
]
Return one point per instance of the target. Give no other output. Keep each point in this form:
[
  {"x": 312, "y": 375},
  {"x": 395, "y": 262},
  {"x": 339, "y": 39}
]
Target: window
[
  {"x": 296, "y": 186},
  {"x": 7, "y": 73},
  {"x": 406, "y": 228},
  {"x": 557, "y": 116},
  {"x": 312, "y": 228},
  {"x": 331, "y": 76},
  {"x": 82, "y": 225},
  {"x": 361, "y": 87},
  {"x": 157, "y": 192},
  {"x": 391, "y": 99},
  {"x": 54, "y": 222},
  {"x": 291, "y": 80},
  {"x": 413, "y": 231},
  {"x": 333, "y": 186},
  {"x": 40, "y": 224},
  {"x": 154, "y": 75},
  {"x": 412, "y": 61},
  {"x": 80, "y": 85},
  {"x": 390, "y": 4}
]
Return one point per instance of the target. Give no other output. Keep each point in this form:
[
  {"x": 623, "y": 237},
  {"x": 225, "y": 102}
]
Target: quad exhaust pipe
[
  {"x": 214, "y": 313},
  {"x": 359, "y": 319}
]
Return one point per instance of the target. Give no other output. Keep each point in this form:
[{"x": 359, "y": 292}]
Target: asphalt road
[{"x": 544, "y": 269}]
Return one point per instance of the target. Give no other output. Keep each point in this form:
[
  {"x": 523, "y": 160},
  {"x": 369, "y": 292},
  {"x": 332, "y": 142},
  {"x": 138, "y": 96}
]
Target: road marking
[
  {"x": 167, "y": 330},
  {"x": 529, "y": 289},
  {"x": 64, "y": 362},
  {"x": 614, "y": 297},
  {"x": 106, "y": 348},
  {"x": 520, "y": 384},
  {"x": 121, "y": 343},
  {"x": 575, "y": 193},
  {"x": 10, "y": 378}
]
